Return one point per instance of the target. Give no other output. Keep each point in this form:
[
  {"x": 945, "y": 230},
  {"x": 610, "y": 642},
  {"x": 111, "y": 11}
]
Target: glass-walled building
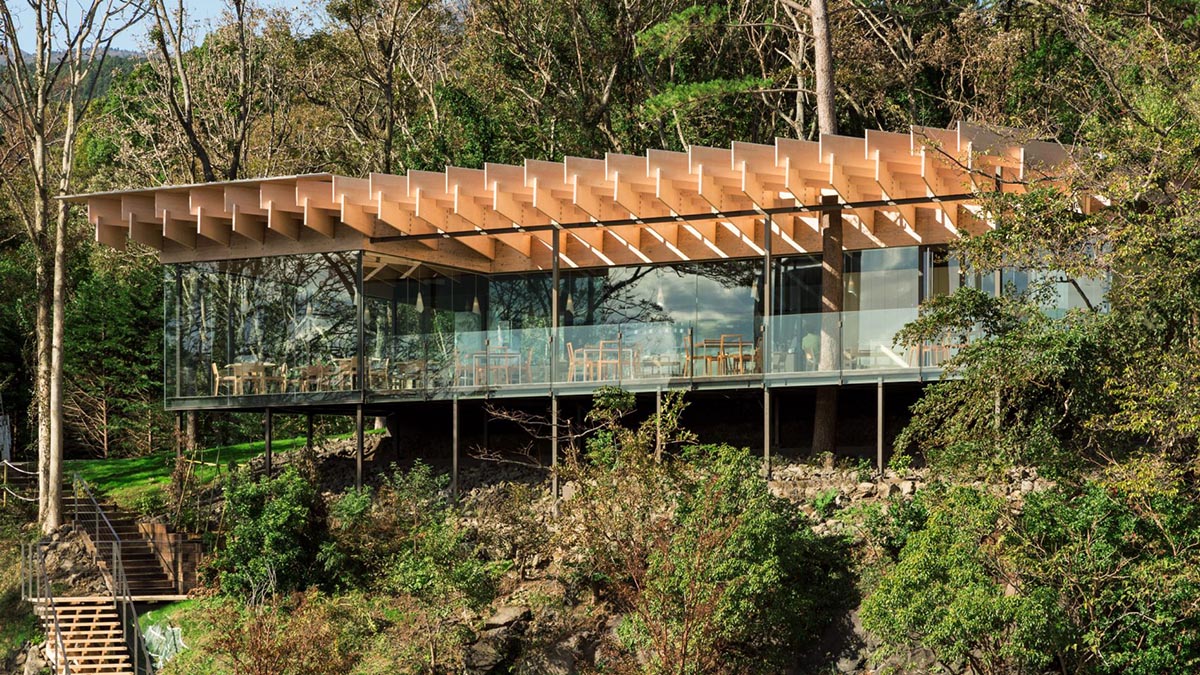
[{"x": 352, "y": 326}]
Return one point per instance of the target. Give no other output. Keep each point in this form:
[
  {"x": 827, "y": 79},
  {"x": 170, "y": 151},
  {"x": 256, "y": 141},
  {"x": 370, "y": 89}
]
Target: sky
[{"x": 199, "y": 13}]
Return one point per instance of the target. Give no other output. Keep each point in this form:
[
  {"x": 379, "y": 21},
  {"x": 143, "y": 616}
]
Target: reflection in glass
[{"x": 260, "y": 326}]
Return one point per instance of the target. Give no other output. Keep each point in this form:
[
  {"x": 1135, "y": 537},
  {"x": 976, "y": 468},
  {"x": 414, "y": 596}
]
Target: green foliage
[
  {"x": 432, "y": 560},
  {"x": 290, "y": 635},
  {"x": 714, "y": 571},
  {"x": 113, "y": 350},
  {"x": 947, "y": 594},
  {"x": 890, "y": 532},
  {"x": 18, "y": 623},
  {"x": 275, "y": 528},
  {"x": 1024, "y": 395},
  {"x": 1096, "y": 579},
  {"x": 1122, "y": 557},
  {"x": 406, "y": 541},
  {"x": 825, "y": 502}
]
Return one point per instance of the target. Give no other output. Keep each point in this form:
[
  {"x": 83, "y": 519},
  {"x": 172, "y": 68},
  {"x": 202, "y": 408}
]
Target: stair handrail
[
  {"x": 35, "y": 585},
  {"x": 115, "y": 577}
]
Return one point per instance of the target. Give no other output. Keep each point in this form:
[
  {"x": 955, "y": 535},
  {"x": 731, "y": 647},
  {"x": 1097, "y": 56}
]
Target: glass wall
[
  {"x": 290, "y": 324},
  {"x": 262, "y": 326},
  {"x": 661, "y": 322}
]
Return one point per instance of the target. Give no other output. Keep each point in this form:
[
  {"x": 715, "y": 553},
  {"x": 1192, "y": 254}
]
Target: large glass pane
[
  {"x": 885, "y": 278},
  {"x": 796, "y": 341},
  {"x": 867, "y": 340},
  {"x": 263, "y": 326},
  {"x": 945, "y": 274}
]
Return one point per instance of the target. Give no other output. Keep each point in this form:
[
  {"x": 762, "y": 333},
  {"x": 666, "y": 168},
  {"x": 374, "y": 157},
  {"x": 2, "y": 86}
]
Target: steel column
[
  {"x": 554, "y": 451},
  {"x": 879, "y": 425},
  {"x": 358, "y": 447},
  {"x": 454, "y": 449},
  {"x": 767, "y": 431},
  {"x": 270, "y": 433}
]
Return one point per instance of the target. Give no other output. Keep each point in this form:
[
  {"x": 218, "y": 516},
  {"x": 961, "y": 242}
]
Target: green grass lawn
[{"x": 130, "y": 481}]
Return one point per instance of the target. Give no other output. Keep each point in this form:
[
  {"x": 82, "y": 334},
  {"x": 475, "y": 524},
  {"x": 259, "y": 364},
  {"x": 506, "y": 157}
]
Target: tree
[
  {"x": 379, "y": 65},
  {"x": 45, "y": 93},
  {"x": 113, "y": 402},
  {"x": 832, "y": 257}
]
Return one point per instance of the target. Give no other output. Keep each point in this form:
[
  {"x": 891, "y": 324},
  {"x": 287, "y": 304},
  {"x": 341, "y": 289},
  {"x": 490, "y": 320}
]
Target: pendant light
[{"x": 420, "y": 303}]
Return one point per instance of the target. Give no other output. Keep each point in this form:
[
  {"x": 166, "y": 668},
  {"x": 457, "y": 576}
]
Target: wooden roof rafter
[{"x": 706, "y": 203}]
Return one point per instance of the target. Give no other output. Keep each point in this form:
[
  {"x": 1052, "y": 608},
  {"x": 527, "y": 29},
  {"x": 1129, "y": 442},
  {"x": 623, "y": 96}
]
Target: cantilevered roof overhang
[{"x": 703, "y": 204}]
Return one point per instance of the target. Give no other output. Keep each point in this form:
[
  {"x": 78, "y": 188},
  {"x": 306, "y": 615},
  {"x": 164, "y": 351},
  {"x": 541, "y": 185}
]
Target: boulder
[
  {"x": 507, "y": 616},
  {"x": 490, "y": 653},
  {"x": 34, "y": 663}
]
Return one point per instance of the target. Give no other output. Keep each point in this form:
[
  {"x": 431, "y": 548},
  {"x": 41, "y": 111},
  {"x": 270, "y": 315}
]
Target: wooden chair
[
  {"x": 219, "y": 379},
  {"x": 277, "y": 378},
  {"x": 704, "y": 353},
  {"x": 577, "y": 363},
  {"x": 733, "y": 355},
  {"x": 380, "y": 373},
  {"x": 608, "y": 360},
  {"x": 346, "y": 370}
]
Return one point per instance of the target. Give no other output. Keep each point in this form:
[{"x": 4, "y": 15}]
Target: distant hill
[{"x": 118, "y": 60}]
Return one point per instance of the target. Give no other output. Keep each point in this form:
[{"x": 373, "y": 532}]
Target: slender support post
[
  {"x": 308, "y": 432},
  {"x": 554, "y": 282},
  {"x": 554, "y": 450},
  {"x": 454, "y": 449},
  {"x": 270, "y": 436},
  {"x": 658, "y": 437},
  {"x": 879, "y": 425},
  {"x": 768, "y": 303},
  {"x": 360, "y": 360},
  {"x": 767, "y": 431},
  {"x": 358, "y": 447},
  {"x": 766, "y": 347}
]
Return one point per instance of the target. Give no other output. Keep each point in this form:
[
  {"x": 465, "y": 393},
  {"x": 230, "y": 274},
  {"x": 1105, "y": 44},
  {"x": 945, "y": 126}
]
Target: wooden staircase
[
  {"x": 100, "y": 634},
  {"x": 90, "y": 638},
  {"x": 144, "y": 570}
]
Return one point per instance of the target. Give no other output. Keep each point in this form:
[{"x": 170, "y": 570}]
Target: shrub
[
  {"x": 305, "y": 634},
  {"x": 406, "y": 540},
  {"x": 946, "y": 594},
  {"x": 825, "y": 502},
  {"x": 1122, "y": 555},
  {"x": 715, "y": 573},
  {"x": 275, "y": 527},
  {"x": 1100, "y": 578}
]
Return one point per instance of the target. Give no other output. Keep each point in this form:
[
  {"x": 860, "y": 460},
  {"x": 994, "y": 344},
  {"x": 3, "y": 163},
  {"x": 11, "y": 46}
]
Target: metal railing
[
  {"x": 9, "y": 470},
  {"x": 35, "y": 588},
  {"x": 90, "y": 518}
]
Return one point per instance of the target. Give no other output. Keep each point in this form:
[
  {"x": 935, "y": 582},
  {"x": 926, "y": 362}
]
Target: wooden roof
[{"x": 706, "y": 203}]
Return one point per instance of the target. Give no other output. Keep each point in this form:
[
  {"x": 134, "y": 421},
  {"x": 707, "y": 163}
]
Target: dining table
[
  {"x": 609, "y": 360},
  {"x": 492, "y": 366},
  {"x": 728, "y": 354}
]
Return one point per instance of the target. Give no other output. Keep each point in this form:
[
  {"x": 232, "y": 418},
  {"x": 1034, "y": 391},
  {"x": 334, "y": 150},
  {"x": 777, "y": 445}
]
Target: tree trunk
[
  {"x": 43, "y": 276},
  {"x": 825, "y": 412},
  {"x": 823, "y": 67},
  {"x": 54, "y": 474}
]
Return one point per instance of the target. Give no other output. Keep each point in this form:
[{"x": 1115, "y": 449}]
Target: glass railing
[{"x": 820, "y": 345}]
